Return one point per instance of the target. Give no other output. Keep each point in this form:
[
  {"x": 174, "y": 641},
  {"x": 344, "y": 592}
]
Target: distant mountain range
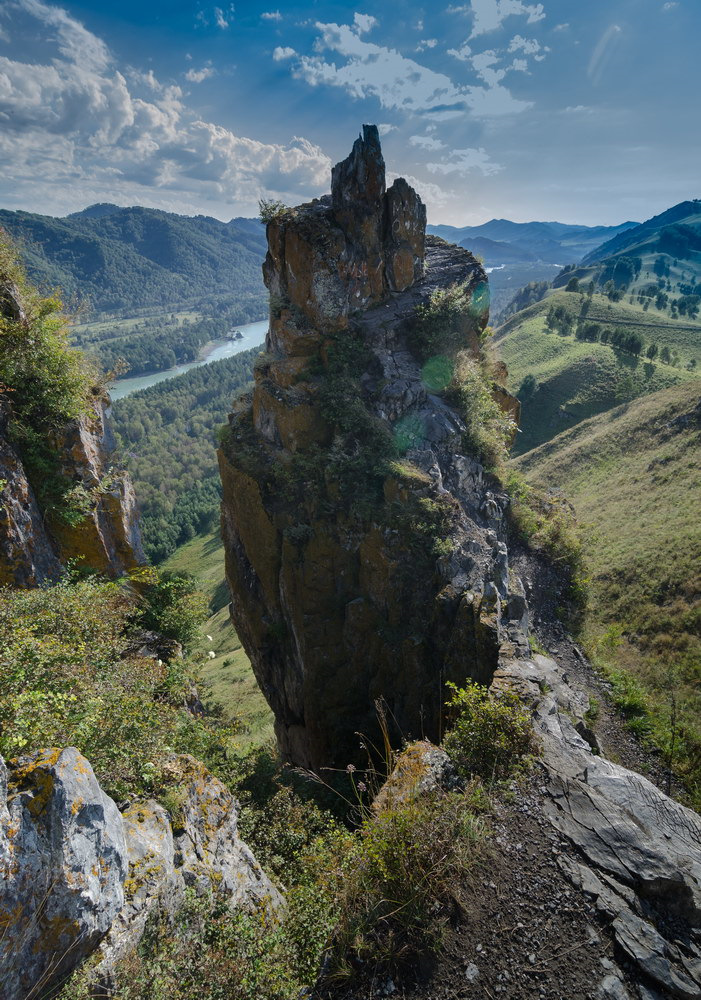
[
  {"x": 500, "y": 241},
  {"x": 116, "y": 259}
]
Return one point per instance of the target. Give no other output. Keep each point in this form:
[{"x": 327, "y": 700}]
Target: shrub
[
  {"x": 172, "y": 605},
  {"x": 405, "y": 878},
  {"x": 488, "y": 429},
  {"x": 65, "y": 680},
  {"x": 443, "y": 324},
  {"x": 491, "y": 736},
  {"x": 269, "y": 210}
]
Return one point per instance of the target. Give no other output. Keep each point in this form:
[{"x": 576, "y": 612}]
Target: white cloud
[
  {"x": 426, "y": 142},
  {"x": 281, "y": 53},
  {"x": 529, "y": 47},
  {"x": 397, "y": 82},
  {"x": 198, "y": 75},
  {"x": 426, "y": 43},
  {"x": 271, "y": 15},
  {"x": 384, "y": 128},
  {"x": 220, "y": 18},
  {"x": 364, "y": 23},
  {"x": 490, "y": 14},
  {"x": 463, "y": 53},
  {"x": 466, "y": 161},
  {"x": 670, "y": 5},
  {"x": 562, "y": 27},
  {"x": 76, "y": 125},
  {"x": 578, "y": 109}
]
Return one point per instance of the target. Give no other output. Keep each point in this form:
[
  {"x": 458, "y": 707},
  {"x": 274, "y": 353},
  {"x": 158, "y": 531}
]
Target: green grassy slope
[
  {"x": 577, "y": 379},
  {"x": 634, "y": 477},
  {"x": 229, "y": 681}
]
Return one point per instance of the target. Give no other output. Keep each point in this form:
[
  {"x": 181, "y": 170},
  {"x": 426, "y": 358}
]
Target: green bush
[
  {"x": 406, "y": 878},
  {"x": 491, "y": 735},
  {"x": 45, "y": 381},
  {"x": 172, "y": 605},
  {"x": 444, "y": 323},
  {"x": 65, "y": 680},
  {"x": 489, "y": 430},
  {"x": 269, "y": 210}
]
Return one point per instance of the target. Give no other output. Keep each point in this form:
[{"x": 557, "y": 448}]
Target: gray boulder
[{"x": 63, "y": 860}]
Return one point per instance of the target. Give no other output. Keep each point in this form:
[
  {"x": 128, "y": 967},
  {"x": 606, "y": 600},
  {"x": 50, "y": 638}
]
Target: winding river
[{"x": 252, "y": 334}]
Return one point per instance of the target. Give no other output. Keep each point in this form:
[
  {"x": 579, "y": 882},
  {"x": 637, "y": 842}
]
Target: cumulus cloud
[
  {"x": 490, "y": 14},
  {"x": 384, "y": 128},
  {"x": 426, "y": 142},
  {"x": 364, "y": 23},
  {"x": 198, "y": 75},
  {"x": 463, "y": 53},
  {"x": 670, "y": 5},
  {"x": 466, "y": 161},
  {"x": 221, "y": 19},
  {"x": 280, "y": 53},
  {"x": 426, "y": 43},
  {"x": 76, "y": 122},
  {"x": 397, "y": 82},
  {"x": 271, "y": 15},
  {"x": 432, "y": 195}
]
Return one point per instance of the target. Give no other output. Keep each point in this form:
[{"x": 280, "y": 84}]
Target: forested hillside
[
  {"x": 168, "y": 439},
  {"x": 138, "y": 258}
]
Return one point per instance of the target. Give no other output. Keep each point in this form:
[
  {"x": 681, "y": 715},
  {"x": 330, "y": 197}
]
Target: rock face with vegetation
[
  {"x": 365, "y": 540},
  {"x": 77, "y": 874},
  {"x": 60, "y": 497}
]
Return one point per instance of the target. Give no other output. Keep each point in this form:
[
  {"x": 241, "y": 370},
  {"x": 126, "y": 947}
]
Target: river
[{"x": 252, "y": 335}]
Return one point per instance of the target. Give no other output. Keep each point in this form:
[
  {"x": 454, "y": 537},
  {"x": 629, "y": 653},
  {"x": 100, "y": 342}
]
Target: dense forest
[
  {"x": 125, "y": 259},
  {"x": 167, "y": 435}
]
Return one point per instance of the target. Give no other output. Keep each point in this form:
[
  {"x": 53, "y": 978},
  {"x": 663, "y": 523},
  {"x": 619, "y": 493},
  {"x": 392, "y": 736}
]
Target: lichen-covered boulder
[
  {"x": 196, "y": 846},
  {"x": 63, "y": 861},
  {"x": 421, "y": 769}
]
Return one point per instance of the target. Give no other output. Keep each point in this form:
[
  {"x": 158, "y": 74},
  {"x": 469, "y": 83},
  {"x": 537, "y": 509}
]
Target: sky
[{"x": 561, "y": 110}]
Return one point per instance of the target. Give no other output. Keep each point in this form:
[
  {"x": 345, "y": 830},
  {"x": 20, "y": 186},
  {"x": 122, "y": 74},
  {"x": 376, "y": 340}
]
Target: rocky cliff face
[
  {"x": 365, "y": 545},
  {"x": 77, "y": 875},
  {"x": 34, "y": 544}
]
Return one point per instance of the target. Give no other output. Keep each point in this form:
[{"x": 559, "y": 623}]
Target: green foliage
[
  {"x": 65, "y": 680},
  {"x": 269, "y": 210},
  {"x": 172, "y": 605},
  {"x": 491, "y": 736},
  {"x": 168, "y": 436},
  {"x": 488, "y": 429},
  {"x": 405, "y": 879},
  {"x": 443, "y": 324},
  {"x": 46, "y": 384}
]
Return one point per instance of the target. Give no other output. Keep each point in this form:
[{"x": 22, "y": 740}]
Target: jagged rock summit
[{"x": 365, "y": 544}]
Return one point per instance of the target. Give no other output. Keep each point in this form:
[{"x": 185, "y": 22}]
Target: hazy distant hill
[
  {"x": 657, "y": 263},
  {"x": 550, "y": 242},
  {"x": 117, "y": 259}
]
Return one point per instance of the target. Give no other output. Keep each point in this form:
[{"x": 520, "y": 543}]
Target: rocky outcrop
[
  {"x": 637, "y": 852},
  {"x": 354, "y": 579},
  {"x": 77, "y": 875},
  {"x": 36, "y": 544},
  {"x": 63, "y": 857}
]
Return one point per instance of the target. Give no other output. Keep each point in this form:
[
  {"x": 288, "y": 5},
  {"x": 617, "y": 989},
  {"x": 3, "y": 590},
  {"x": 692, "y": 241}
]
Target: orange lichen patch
[
  {"x": 35, "y": 777},
  {"x": 76, "y": 806}
]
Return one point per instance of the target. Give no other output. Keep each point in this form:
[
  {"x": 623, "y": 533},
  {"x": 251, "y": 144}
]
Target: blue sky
[{"x": 579, "y": 112}]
